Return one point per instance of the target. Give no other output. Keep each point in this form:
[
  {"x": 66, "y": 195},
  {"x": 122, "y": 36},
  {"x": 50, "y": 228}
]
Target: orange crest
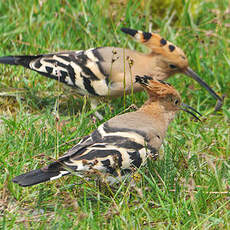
[
  {"x": 159, "y": 45},
  {"x": 157, "y": 87}
]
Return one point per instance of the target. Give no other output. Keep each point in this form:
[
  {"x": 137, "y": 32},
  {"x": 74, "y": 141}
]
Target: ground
[{"x": 187, "y": 188}]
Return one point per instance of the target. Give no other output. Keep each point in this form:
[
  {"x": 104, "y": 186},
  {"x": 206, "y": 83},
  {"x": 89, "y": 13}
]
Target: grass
[{"x": 187, "y": 188}]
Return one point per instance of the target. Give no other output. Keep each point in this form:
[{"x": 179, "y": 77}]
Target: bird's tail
[
  {"x": 23, "y": 60},
  {"x": 51, "y": 172},
  {"x": 54, "y": 66}
]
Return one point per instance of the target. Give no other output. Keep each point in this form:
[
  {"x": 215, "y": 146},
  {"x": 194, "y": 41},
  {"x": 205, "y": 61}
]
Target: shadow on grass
[{"x": 38, "y": 102}]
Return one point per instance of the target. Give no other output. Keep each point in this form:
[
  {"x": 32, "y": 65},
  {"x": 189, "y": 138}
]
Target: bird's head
[
  {"x": 168, "y": 58},
  {"x": 164, "y": 93}
]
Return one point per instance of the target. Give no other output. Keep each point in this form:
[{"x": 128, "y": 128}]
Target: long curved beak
[
  {"x": 189, "y": 72},
  {"x": 186, "y": 108}
]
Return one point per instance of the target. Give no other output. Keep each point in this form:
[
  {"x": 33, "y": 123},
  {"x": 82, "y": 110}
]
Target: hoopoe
[
  {"x": 120, "y": 145},
  {"x": 110, "y": 71}
]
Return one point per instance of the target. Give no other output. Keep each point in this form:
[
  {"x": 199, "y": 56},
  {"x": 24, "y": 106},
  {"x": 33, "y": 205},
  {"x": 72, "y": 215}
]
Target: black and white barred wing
[
  {"x": 113, "y": 147},
  {"x": 79, "y": 69},
  {"x": 106, "y": 150}
]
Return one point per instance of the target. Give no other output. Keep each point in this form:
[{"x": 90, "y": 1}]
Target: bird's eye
[
  {"x": 172, "y": 66},
  {"x": 176, "y": 102}
]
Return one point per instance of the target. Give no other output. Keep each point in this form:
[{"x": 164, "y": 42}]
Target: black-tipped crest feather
[
  {"x": 129, "y": 31},
  {"x": 143, "y": 80}
]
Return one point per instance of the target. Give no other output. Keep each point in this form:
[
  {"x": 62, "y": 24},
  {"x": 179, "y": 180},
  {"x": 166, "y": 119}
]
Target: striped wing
[
  {"x": 79, "y": 69},
  {"x": 107, "y": 149}
]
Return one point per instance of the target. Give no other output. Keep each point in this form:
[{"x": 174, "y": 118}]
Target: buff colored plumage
[
  {"x": 109, "y": 71},
  {"x": 122, "y": 144}
]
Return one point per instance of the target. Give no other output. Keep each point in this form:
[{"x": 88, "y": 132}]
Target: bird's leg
[{"x": 94, "y": 103}]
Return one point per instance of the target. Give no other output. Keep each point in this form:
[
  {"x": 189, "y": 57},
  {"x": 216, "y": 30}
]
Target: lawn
[{"x": 187, "y": 188}]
